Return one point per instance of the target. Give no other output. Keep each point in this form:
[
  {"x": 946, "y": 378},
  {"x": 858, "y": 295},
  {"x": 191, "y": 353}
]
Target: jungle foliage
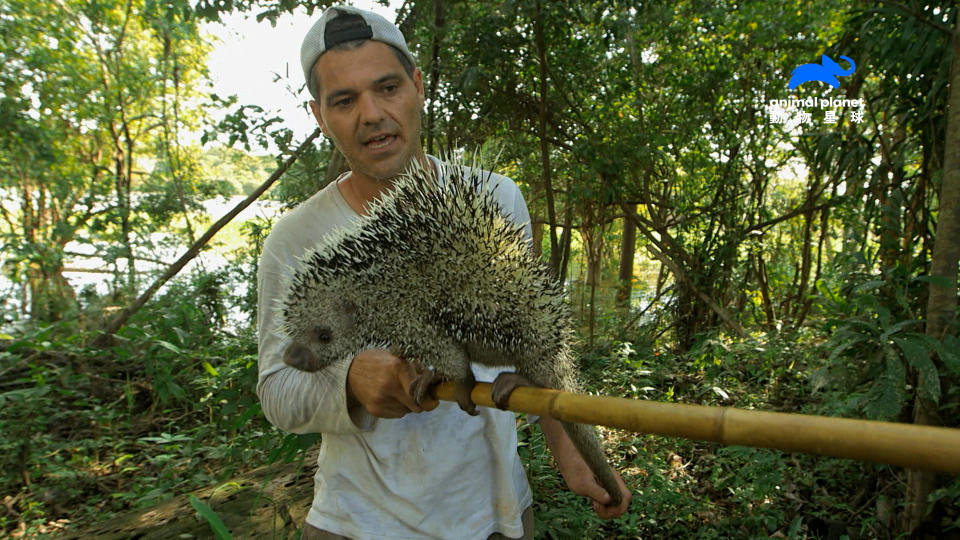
[{"x": 712, "y": 253}]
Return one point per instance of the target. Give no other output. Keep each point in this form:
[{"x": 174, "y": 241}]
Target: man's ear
[
  {"x": 418, "y": 82},
  {"x": 315, "y": 107}
]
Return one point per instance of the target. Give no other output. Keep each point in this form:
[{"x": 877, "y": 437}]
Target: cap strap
[{"x": 362, "y": 30}]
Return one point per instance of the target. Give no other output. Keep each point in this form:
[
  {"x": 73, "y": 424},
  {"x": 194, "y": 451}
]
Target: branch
[
  {"x": 792, "y": 214},
  {"x": 919, "y": 15},
  {"x": 124, "y": 315},
  {"x": 903, "y": 445},
  {"x": 679, "y": 272}
]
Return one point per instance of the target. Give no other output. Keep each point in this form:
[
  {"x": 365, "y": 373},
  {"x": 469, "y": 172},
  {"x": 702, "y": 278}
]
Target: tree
[
  {"x": 50, "y": 161},
  {"x": 941, "y": 306}
]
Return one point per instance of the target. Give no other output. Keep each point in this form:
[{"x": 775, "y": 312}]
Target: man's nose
[{"x": 370, "y": 110}]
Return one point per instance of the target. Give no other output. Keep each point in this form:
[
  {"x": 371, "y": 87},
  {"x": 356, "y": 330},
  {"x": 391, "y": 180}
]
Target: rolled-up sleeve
[{"x": 295, "y": 400}]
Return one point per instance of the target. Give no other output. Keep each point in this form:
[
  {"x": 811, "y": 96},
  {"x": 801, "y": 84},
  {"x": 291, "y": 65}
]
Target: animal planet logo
[{"x": 827, "y": 72}]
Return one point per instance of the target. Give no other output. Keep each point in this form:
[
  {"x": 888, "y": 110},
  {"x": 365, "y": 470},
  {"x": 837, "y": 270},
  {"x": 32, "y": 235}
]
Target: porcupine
[{"x": 437, "y": 273}]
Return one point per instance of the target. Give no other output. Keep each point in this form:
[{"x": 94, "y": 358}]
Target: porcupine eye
[{"x": 323, "y": 334}]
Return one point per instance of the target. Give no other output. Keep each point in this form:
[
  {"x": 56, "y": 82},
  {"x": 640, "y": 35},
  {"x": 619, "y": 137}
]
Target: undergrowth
[
  {"x": 168, "y": 407},
  {"x": 171, "y": 407},
  {"x": 693, "y": 489}
]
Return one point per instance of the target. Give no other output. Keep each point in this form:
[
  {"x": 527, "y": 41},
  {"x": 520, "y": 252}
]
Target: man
[{"x": 384, "y": 472}]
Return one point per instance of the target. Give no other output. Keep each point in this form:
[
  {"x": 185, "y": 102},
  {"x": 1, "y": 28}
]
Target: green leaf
[
  {"x": 935, "y": 280},
  {"x": 897, "y": 328},
  {"x": 209, "y": 369},
  {"x": 868, "y": 286},
  {"x": 246, "y": 415},
  {"x": 918, "y": 356},
  {"x": 947, "y": 350},
  {"x": 216, "y": 524},
  {"x": 794, "y": 531},
  {"x": 887, "y": 394},
  {"x": 169, "y": 346},
  {"x": 950, "y": 353}
]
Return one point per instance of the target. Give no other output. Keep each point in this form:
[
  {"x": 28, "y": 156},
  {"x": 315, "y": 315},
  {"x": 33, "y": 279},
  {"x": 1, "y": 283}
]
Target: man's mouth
[{"x": 379, "y": 141}]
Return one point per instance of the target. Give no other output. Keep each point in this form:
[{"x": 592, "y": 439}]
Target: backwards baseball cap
[{"x": 351, "y": 24}]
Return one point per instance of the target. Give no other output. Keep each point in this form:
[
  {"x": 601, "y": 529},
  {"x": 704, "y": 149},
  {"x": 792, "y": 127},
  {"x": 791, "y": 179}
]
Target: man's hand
[
  {"x": 380, "y": 383},
  {"x": 577, "y": 474}
]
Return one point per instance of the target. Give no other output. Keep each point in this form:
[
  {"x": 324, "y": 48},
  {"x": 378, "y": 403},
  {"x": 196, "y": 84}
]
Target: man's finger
[
  {"x": 389, "y": 408},
  {"x": 430, "y": 404},
  {"x": 609, "y": 512},
  {"x": 598, "y": 494},
  {"x": 405, "y": 400}
]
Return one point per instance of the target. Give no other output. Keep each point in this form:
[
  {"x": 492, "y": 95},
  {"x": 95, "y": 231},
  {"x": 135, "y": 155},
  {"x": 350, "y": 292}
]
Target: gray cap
[{"x": 366, "y": 25}]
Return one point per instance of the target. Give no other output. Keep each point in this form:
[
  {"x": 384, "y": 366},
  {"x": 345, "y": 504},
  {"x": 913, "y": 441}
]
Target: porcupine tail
[
  {"x": 584, "y": 437},
  {"x": 563, "y": 376}
]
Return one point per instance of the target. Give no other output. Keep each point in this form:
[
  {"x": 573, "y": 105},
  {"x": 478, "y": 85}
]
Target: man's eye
[
  {"x": 342, "y": 102},
  {"x": 390, "y": 88}
]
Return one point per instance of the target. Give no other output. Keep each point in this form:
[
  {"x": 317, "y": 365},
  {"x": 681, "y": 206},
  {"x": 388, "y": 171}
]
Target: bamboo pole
[{"x": 905, "y": 445}]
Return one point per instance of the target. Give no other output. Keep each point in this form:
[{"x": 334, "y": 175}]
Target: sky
[{"x": 248, "y": 56}]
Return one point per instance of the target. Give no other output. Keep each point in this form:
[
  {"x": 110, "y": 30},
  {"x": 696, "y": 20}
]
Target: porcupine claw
[
  {"x": 461, "y": 390},
  {"x": 421, "y": 385},
  {"x": 504, "y": 385}
]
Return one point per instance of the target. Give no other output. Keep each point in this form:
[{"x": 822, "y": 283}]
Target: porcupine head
[{"x": 322, "y": 330}]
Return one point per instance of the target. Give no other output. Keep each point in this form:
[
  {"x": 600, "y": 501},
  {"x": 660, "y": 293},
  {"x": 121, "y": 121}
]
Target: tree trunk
[
  {"x": 764, "y": 284},
  {"x": 123, "y": 204},
  {"x": 438, "y": 22},
  {"x": 824, "y": 239},
  {"x": 942, "y": 298},
  {"x": 593, "y": 240},
  {"x": 628, "y": 243},
  {"x": 555, "y": 257},
  {"x": 806, "y": 265},
  {"x": 536, "y": 228},
  {"x": 565, "y": 239}
]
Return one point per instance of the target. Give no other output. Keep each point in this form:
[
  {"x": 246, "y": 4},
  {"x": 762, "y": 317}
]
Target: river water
[{"x": 83, "y": 271}]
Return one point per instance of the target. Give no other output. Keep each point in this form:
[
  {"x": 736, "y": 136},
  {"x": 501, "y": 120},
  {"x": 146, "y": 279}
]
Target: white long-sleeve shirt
[{"x": 436, "y": 474}]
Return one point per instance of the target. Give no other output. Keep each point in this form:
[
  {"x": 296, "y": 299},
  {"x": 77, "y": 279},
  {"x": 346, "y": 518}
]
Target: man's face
[{"x": 370, "y": 107}]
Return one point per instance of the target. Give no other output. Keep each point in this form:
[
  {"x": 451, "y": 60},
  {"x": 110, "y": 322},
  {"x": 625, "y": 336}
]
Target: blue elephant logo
[{"x": 826, "y": 71}]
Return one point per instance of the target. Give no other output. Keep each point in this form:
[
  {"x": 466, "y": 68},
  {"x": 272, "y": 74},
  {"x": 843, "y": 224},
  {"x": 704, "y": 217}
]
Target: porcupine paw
[
  {"x": 504, "y": 385},
  {"x": 461, "y": 391},
  {"x": 421, "y": 385}
]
